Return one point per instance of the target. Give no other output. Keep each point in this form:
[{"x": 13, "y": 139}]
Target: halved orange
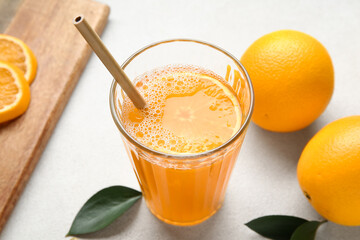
[
  {"x": 16, "y": 52},
  {"x": 14, "y": 92}
]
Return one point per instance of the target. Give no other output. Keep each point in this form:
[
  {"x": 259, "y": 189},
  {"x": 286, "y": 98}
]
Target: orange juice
[{"x": 190, "y": 110}]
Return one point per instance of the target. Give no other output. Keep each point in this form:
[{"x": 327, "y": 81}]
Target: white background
[{"x": 85, "y": 152}]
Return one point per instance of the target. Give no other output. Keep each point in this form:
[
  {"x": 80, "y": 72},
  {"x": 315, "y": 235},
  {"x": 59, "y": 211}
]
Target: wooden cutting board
[{"x": 46, "y": 26}]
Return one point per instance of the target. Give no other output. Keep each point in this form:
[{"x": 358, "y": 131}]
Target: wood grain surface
[
  {"x": 46, "y": 26},
  {"x": 7, "y": 11}
]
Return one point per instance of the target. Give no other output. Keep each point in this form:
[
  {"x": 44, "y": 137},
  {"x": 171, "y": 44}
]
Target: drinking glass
[{"x": 184, "y": 189}]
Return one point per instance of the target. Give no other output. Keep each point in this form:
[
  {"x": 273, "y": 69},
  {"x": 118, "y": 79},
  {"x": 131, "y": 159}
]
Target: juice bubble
[{"x": 190, "y": 110}]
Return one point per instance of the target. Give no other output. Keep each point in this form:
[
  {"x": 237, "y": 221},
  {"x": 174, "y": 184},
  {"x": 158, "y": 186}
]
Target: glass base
[{"x": 184, "y": 224}]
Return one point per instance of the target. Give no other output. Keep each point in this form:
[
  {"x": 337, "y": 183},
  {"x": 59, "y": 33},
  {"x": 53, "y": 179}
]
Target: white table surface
[{"x": 85, "y": 152}]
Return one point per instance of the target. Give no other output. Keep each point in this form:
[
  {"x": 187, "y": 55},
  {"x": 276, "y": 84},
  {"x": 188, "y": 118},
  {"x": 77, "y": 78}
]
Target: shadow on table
[
  {"x": 118, "y": 226},
  {"x": 331, "y": 230},
  {"x": 287, "y": 146}
]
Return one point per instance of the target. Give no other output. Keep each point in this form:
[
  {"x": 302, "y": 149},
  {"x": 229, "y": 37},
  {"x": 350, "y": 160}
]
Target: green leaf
[
  {"x": 277, "y": 227},
  {"x": 103, "y": 208},
  {"x": 306, "y": 231}
]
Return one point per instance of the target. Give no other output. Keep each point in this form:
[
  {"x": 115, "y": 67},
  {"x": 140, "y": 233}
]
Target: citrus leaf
[
  {"x": 306, "y": 231},
  {"x": 277, "y": 227},
  {"x": 103, "y": 208}
]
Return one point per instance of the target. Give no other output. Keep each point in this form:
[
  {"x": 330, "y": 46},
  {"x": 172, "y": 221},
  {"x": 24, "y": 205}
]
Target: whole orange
[
  {"x": 329, "y": 171},
  {"x": 293, "y": 80}
]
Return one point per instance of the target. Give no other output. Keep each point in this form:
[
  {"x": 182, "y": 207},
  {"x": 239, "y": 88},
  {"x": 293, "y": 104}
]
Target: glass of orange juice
[{"x": 184, "y": 144}]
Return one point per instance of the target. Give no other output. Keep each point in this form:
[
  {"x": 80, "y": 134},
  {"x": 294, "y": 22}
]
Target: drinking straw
[{"x": 108, "y": 60}]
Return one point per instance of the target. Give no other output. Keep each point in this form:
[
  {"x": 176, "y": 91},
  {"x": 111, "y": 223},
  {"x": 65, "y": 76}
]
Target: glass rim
[{"x": 191, "y": 156}]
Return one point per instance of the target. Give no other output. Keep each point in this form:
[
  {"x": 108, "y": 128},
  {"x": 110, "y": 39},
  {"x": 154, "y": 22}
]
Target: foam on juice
[{"x": 190, "y": 110}]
